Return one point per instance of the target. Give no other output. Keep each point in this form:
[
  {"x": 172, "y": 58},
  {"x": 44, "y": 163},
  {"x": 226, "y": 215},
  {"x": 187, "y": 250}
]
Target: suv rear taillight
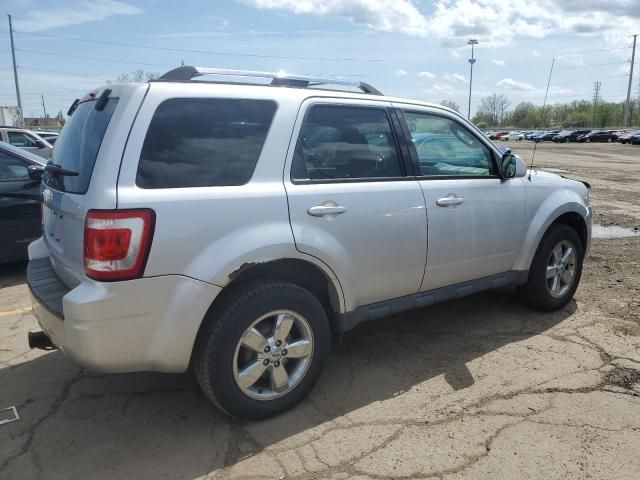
[{"x": 117, "y": 243}]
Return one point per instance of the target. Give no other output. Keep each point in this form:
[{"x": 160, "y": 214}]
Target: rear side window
[
  {"x": 204, "y": 142},
  {"x": 77, "y": 147},
  {"x": 345, "y": 143}
]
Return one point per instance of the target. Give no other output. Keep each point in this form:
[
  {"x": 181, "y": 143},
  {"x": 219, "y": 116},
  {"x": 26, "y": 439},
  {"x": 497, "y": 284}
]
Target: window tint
[
  {"x": 12, "y": 169},
  {"x": 343, "y": 143},
  {"x": 77, "y": 146},
  {"x": 445, "y": 147},
  {"x": 200, "y": 142},
  {"x": 21, "y": 139}
]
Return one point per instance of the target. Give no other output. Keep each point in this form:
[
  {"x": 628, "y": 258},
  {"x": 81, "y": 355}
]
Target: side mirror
[
  {"x": 41, "y": 144},
  {"x": 35, "y": 172},
  {"x": 513, "y": 166}
]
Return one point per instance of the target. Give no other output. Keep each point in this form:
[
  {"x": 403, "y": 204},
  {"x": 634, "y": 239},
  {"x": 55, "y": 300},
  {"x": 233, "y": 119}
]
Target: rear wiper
[{"x": 58, "y": 170}]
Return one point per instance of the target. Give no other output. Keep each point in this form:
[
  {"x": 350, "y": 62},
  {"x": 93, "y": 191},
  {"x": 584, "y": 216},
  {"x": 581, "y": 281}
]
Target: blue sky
[{"x": 415, "y": 49}]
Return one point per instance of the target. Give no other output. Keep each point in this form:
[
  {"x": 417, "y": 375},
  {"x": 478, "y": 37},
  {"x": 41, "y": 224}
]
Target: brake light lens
[{"x": 117, "y": 243}]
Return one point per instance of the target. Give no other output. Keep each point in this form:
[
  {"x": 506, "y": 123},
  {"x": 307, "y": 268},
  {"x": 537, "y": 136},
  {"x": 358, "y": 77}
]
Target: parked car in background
[
  {"x": 20, "y": 224},
  {"x": 599, "y": 136},
  {"x": 222, "y": 227},
  {"x": 624, "y": 137},
  {"x": 512, "y": 136},
  {"x": 569, "y": 135},
  {"x": 548, "y": 136},
  {"x": 27, "y": 140},
  {"x": 497, "y": 135},
  {"x": 50, "y": 137},
  {"x": 635, "y": 139}
]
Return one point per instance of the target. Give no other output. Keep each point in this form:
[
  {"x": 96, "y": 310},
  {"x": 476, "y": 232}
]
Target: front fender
[{"x": 557, "y": 204}]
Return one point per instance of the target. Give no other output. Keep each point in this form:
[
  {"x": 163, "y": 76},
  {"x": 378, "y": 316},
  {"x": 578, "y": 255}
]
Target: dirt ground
[{"x": 477, "y": 388}]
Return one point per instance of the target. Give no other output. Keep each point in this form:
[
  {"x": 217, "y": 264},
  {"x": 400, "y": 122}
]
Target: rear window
[
  {"x": 77, "y": 147},
  {"x": 204, "y": 142}
]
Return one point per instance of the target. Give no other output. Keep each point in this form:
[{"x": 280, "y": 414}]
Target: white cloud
[
  {"x": 400, "y": 72},
  {"x": 427, "y": 75},
  {"x": 492, "y": 22},
  {"x": 75, "y": 13},
  {"x": 511, "y": 84},
  {"x": 454, "y": 77},
  {"x": 440, "y": 88},
  {"x": 385, "y": 15},
  {"x": 536, "y": 53},
  {"x": 500, "y": 63}
]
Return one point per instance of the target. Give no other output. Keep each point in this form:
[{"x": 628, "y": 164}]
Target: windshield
[{"x": 77, "y": 147}]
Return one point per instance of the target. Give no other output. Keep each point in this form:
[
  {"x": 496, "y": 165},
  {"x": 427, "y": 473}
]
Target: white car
[
  {"x": 26, "y": 139},
  {"x": 513, "y": 136}
]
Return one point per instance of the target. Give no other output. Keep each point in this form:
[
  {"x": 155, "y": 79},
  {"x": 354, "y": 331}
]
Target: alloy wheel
[
  {"x": 273, "y": 355},
  {"x": 561, "y": 268}
]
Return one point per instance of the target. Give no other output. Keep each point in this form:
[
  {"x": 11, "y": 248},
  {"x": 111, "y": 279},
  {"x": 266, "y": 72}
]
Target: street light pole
[
  {"x": 473, "y": 42},
  {"x": 625, "y": 120}
]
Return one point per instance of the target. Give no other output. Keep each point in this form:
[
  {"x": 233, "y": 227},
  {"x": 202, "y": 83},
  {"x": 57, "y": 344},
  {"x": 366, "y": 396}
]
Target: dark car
[
  {"x": 545, "y": 136},
  {"x": 635, "y": 139},
  {"x": 564, "y": 137},
  {"x": 20, "y": 223},
  {"x": 602, "y": 136}
]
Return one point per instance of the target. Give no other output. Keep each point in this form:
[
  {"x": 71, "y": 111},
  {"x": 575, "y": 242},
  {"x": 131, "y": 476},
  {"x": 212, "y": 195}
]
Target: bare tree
[
  {"x": 138, "y": 75},
  {"x": 494, "y": 107},
  {"x": 450, "y": 104}
]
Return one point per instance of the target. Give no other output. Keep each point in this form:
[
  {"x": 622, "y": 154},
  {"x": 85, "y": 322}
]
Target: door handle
[
  {"x": 321, "y": 210},
  {"x": 450, "y": 200}
]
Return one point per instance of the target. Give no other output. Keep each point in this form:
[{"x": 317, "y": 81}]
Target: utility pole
[
  {"x": 596, "y": 98},
  {"x": 625, "y": 121},
  {"x": 44, "y": 109},
  {"x": 15, "y": 71},
  {"x": 473, "y": 42}
]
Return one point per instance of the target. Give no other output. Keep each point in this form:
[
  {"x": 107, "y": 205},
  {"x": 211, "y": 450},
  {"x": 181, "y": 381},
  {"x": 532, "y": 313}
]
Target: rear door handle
[
  {"x": 321, "y": 210},
  {"x": 450, "y": 200}
]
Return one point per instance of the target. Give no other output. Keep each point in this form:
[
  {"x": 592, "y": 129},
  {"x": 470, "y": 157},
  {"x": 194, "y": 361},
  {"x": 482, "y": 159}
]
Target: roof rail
[{"x": 277, "y": 79}]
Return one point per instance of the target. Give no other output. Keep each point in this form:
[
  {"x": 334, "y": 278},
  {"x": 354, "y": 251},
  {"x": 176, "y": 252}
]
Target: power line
[
  {"x": 590, "y": 65},
  {"x": 592, "y": 51},
  {"x": 207, "y": 52},
  {"x": 99, "y": 59},
  {"x": 62, "y": 72},
  {"x": 590, "y": 79}
]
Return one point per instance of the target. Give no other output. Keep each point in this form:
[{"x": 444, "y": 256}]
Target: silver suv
[{"x": 234, "y": 227}]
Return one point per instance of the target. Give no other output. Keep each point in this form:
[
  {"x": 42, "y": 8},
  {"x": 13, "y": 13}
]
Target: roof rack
[{"x": 277, "y": 79}]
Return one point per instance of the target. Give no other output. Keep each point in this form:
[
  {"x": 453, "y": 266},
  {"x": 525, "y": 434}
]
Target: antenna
[{"x": 544, "y": 104}]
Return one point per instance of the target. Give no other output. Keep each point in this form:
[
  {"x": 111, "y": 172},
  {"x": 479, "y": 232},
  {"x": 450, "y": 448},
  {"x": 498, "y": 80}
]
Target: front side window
[
  {"x": 21, "y": 139},
  {"x": 12, "y": 169},
  {"x": 204, "y": 142},
  {"x": 446, "y": 148},
  {"x": 343, "y": 143}
]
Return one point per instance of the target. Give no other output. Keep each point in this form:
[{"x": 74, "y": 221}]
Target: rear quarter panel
[{"x": 210, "y": 233}]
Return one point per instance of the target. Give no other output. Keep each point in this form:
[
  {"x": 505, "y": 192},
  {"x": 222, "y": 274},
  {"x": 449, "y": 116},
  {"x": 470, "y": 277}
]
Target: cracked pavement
[{"x": 478, "y": 388}]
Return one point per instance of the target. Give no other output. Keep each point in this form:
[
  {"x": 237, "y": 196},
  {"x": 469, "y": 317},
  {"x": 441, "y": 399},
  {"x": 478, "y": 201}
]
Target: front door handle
[
  {"x": 450, "y": 200},
  {"x": 321, "y": 210}
]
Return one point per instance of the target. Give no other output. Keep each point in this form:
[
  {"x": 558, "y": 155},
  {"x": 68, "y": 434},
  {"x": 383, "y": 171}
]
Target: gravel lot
[{"x": 479, "y": 388}]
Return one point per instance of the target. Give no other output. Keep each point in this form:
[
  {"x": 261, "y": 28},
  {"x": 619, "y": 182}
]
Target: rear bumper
[{"x": 148, "y": 324}]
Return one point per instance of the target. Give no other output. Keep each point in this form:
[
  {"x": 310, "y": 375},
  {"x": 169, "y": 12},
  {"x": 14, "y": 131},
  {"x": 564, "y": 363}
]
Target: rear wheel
[
  {"x": 555, "y": 271},
  {"x": 262, "y": 349}
]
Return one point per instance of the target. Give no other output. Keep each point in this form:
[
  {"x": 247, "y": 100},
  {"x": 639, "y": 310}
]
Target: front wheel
[
  {"x": 555, "y": 271},
  {"x": 262, "y": 349}
]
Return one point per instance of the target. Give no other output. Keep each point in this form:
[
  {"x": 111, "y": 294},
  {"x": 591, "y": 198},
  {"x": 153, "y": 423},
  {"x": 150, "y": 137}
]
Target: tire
[
  {"x": 609, "y": 140},
  {"x": 218, "y": 350},
  {"x": 537, "y": 293},
  {"x": 587, "y": 140}
]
